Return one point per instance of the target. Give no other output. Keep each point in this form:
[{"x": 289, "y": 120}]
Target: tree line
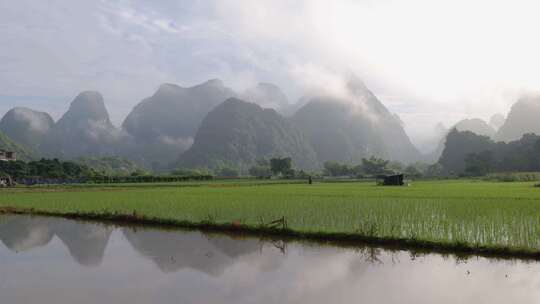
[
  {"x": 469, "y": 154},
  {"x": 55, "y": 170},
  {"x": 45, "y": 168},
  {"x": 374, "y": 166}
]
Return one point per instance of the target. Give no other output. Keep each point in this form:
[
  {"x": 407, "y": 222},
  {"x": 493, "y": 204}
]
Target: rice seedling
[{"x": 471, "y": 214}]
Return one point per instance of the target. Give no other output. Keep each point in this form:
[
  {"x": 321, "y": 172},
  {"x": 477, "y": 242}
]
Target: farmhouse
[
  {"x": 7, "y": 155},
  {"x": 391, "y": 180}
]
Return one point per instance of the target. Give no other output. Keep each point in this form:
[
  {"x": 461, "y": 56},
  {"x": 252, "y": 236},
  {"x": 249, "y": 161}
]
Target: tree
[
  {"x": 374, "y": 166},
  {"x": 479, "y": 164},
  {"x": 227, "y": 171},
  {"x": 435, "y": 170},
  {"x": 45, "y": 168},
  {"x": 412, "y": 171},
  {"x": 139, "y": 172},
  {"x": 337, "y": 169},
  {"x": 281, "y": 166},
  {"x": 260, "y": 171},
  {"x": 190, "y": 172},
  {"x": 395, "y": 166}
]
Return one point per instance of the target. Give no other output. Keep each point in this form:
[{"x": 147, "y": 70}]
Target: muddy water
[{"x": 57, "y": 261}]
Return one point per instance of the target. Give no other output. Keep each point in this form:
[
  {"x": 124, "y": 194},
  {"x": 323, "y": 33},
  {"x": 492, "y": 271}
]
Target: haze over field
[{"x": 419, "y": 63}]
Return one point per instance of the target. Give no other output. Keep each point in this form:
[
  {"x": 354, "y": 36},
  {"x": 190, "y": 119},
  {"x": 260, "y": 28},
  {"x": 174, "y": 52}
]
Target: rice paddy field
[{"x": 460, "y": 213}]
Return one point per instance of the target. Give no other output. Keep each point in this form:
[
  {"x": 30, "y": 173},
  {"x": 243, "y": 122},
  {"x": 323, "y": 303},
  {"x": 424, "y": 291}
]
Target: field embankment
[{"x": 465, "y": 216}]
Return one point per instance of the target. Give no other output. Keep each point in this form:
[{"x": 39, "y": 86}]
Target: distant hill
[
  {"x": 7, "y": 144},
  {"x": 474, "y": 125},
  {"x": 84, "y": 130},
  {"x": 354, "y": 126},
  {"x": 458, "y": 145},
  {"x": 238, "y": 133},
  {"x": 27, "y": 127},
  {"x": 497, "y": 121},
  {"x": 267, "y": 95},
  {"x": 489, "y": 156},
  {"x": 522, "y": 119},
  {"x": 164, "y": 124}
]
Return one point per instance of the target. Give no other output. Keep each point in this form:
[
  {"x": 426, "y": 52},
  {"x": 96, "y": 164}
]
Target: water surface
[{"x": 58, "y": 261}]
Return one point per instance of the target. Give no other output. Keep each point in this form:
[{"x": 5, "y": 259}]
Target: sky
[{"x": 428, "y": 61}]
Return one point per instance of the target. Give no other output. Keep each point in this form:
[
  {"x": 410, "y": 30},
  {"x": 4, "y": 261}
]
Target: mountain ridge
[{"x": 239, "y": 133}]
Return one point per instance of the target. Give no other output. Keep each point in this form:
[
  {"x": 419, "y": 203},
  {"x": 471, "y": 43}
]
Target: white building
[{"x": 7, "y": 155}]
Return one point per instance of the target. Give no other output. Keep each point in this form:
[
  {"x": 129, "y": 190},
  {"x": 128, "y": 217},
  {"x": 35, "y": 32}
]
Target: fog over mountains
[
  {"x": 163, "y": 125},
  {"x": 353, "y": 126},
  {"x": 26, "y": 126},
  {"x": 496, "y": 121},
  {"x": 209, "y": 125},
  {"x": 268, "y": 95},
  {"x": 238, "y": 133},
  {"x": 475, "y": 125},
  {"x": 523, "y": 118},
  {"x": 84, "y": 130}
]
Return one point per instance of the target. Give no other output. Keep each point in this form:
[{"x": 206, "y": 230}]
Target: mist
[{"x": 428, "y": 61}]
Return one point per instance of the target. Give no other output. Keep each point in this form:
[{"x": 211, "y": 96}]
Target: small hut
[{"x": 391, "y": 180}]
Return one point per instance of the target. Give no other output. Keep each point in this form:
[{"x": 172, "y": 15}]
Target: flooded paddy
[{"x": 52, "y": 260}]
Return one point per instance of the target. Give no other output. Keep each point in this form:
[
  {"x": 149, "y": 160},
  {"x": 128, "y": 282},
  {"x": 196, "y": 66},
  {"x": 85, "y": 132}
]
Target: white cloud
[
  {"x": 453, "y": 59},
  {"x": 429, "y": 61}
]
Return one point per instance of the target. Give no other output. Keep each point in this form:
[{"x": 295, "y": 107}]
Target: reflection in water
[
  {"x": 196, "y": 268},
  {"x": 22, "y": 233},
  {"x": 86, "y": 242},
  {"x": 172, "y": 251}
]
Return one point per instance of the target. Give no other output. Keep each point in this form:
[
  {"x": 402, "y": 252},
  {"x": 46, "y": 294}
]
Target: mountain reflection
[
  {"x": 23, "y": 233},
  {"x": 86, "y": 242},
  {"x": 169, "y": 250},
  {"x": 172, "y": 251}
]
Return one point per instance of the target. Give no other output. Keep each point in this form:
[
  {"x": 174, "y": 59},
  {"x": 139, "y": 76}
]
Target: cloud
[
  {"x": 429, "y": 61},
  {"x": 181, "y": 143},
  {"x": 451, "y": 59}
]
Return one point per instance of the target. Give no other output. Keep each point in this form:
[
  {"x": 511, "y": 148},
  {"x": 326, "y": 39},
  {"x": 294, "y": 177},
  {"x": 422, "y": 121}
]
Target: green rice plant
[{"x": 474, "y": 214}]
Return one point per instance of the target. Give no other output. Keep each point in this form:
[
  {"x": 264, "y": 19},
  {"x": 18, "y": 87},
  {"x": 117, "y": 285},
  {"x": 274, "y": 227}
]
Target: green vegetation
[
  {"x": 468, "y": 154},
  {"x": 111, "y": 166},
  {"x": 7, "y": 144},
  {"x": 261, "y": 169},
  {"x": 45, "y": 168},
  {"x": 472, "y": 215},
  {"x": 376, "y": 166},
  {"x": 47, "y": 171},
  {"x": 281, "y": 166}
]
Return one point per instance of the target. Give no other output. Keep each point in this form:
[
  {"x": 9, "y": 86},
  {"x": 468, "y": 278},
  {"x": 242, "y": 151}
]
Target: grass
[{"x": 475, "y": 216}]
